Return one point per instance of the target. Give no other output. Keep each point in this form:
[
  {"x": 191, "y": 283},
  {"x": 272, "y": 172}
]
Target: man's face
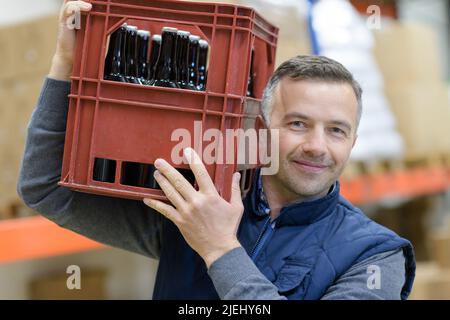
[{"x": 317, "y": 128}]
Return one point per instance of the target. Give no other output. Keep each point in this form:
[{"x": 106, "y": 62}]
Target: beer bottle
[
  {"x": 166, "y": 70},
  {"x": 131, "y": 66},
  {"x": 154, "y": 54},
  {"x": 250, "y": 92},
  {"x": 147, "y": 179},
  {"x": 183, "y": 60},
  {"x": 202, "y": 65},
  {"x": 115, "y": 60},
  {"x": 104, "y": 170},
  {"x": 139, "y": 175},
  {"x": 110, "y": 53},
  {"x": 133, "y": 174},
  {"x": 143, "y": 38},
  {"x": 193, "y": 61}
]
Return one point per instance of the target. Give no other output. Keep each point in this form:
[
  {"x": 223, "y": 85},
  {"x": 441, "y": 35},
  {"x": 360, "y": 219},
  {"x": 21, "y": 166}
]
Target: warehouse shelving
[
  {"x": 51, "y": 240},
  {"x": 36, "y": 237},
  {"x": 396, "y": 184}
]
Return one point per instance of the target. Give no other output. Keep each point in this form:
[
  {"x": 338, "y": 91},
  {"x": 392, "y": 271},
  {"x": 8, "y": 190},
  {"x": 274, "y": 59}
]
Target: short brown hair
[{"x": 308, "y": 67}]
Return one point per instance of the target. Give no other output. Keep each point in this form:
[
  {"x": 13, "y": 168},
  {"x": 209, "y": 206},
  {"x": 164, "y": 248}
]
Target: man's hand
[
  {"x": 207, "y": 221},
  {"x": 62, "y": 62}
]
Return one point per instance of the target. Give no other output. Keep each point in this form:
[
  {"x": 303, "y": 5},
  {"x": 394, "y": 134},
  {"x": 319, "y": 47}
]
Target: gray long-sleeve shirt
[{"x": 132, "y": 226}]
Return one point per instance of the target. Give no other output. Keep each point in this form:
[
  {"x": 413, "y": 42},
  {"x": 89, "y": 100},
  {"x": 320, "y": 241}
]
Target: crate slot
[
  {"x": 104, "y": 170},
  {"x": 138, "y": 175}
]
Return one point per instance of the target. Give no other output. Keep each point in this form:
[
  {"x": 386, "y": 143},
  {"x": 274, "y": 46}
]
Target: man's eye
[
  {"x": 338, "y": 131},
  {"x": 297, "y": 124}
]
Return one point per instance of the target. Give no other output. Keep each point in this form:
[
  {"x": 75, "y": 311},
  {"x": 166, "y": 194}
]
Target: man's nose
[{"x": 315, "y": 143}]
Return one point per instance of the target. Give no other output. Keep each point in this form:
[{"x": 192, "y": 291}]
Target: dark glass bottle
[
  {"x": 193, "y": 61},
  {"x": 110, "y": 53},
  {"x": 143, "y": 38},
  {"x": 146, "y": 177},
  {"x": 250, "y": 92},
  {"x": 154, "y": 55},
  {"x": 202, "y": 65},
  {"x": 166, "y": 70},
  {"x": 131, "y": 66},
  {"x": 104, "y": 170},
  {"x": 183, "y": 60},
  {"x": 116, "y": 56}
]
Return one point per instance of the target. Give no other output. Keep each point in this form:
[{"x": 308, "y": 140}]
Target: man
[{"x": 292, "y": 237}]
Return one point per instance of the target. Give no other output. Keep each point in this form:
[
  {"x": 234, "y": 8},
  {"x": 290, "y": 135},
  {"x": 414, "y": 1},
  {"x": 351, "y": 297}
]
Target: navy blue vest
[{"x": 312, "y": 244}]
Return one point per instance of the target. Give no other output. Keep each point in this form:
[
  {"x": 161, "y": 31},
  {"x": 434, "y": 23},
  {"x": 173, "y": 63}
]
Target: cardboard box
[
  {"x": 289, "y": 48},
  {"x": 431, "y": 283},
  {"x": 7, "y": 52},
  {"x": 440, "y": 248},
  {"x": 29, "y": 47},
  {"x": 26, "y": 51},
  {"x": 35, "y": 45},
  {"x": 6, "y": 211},
  {"x": 422, "y": 113},
  {"x": 408, "y": 52},
  {"x": 293, "y": 37},
  {"x": 19, "y": 97},
  {"x": 54, "y": 287}
]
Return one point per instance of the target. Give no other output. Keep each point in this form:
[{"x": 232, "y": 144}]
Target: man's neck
[{"x": 278, "y": 196}]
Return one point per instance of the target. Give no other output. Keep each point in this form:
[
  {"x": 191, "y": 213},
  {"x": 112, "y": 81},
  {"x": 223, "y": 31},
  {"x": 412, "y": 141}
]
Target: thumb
[{"x": 236, "y": 190}]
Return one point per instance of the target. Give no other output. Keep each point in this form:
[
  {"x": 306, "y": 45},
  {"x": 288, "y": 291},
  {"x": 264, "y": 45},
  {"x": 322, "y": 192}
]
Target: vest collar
[{"x": 297, "y": 213}]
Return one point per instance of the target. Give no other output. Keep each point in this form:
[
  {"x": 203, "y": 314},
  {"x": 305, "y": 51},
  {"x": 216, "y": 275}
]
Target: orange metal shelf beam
[
  {"x": 37, "y": 237},
  {"x": 396, "y": 185}
]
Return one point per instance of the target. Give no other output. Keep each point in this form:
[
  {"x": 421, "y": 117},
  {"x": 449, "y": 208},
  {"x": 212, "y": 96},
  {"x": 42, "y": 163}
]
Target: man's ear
[
  {"x": 260, "y": 123},
  {"x": 354, "y": 141}
]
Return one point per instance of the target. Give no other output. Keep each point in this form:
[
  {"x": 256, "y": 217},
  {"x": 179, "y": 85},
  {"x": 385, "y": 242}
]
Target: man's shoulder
[
  {"x": 354, "y": 215},
  {"x": 351, "y": 229},
  {"x": 349, "y": 208}
]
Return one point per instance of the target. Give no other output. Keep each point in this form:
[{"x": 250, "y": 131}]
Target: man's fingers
[
  {"x": 184, "y": 188},
  {"x": 166, "y": 210},
  {"x": 171, "y": 193},
  {"x": 73, "y": 6},
  {"x": 202, "y": 177},
  {"x": 236, "y": 190}
]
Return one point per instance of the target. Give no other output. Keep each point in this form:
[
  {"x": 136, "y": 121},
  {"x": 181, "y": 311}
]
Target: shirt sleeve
[
  {"x": 380, "y": 277},
  {"x": 236, "y": 277},
  {"x": 121, "y": 223}
]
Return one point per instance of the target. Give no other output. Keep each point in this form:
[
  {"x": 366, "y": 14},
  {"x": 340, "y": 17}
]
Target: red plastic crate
[{"x": 133, "y": 123}]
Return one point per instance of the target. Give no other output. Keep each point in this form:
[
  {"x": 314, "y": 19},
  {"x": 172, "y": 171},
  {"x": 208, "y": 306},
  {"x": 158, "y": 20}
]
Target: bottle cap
[
  {"x": 169, "y": 29},
  {"x": 203, "y": 43},
  {"x": 144, "y": 33},
  {"x": 184, "y": 33},
  {"x": 194, "y": 38},
  {"x": 156, "y": 37}
]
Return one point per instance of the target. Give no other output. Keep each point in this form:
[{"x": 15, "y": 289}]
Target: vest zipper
[{"x": 263, "y": 237}]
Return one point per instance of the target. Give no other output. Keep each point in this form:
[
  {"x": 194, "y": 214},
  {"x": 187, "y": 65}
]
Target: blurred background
[{"x": 399, "y": 172}]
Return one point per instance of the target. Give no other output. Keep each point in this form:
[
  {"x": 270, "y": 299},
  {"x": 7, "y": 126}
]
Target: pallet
[
  {"x": 14, "y": 209},
  {"x": 377, "y": 167}
]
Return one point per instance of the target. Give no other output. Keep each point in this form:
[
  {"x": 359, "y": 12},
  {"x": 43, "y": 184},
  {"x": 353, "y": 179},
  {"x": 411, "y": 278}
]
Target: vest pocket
[{"x": 293, "y": 276}]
